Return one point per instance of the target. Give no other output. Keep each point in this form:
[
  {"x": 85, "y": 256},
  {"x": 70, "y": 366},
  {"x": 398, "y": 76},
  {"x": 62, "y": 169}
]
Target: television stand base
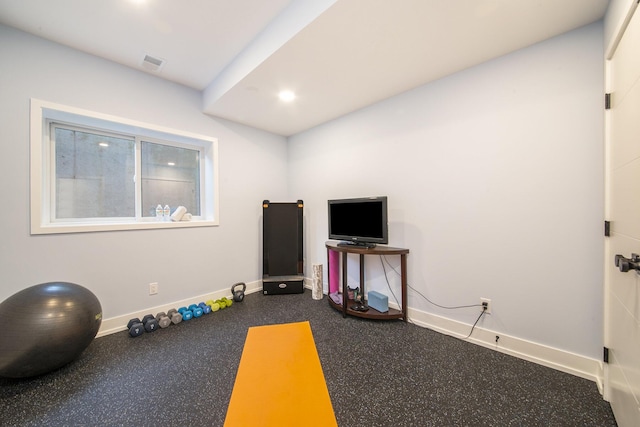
[{"x": 349, "y": 307}]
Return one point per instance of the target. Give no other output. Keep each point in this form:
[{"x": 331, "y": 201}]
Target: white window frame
[{"x": 43, "y": 113}]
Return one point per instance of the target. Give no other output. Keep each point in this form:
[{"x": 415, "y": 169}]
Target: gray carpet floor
[{"x": 379, "y": 373}]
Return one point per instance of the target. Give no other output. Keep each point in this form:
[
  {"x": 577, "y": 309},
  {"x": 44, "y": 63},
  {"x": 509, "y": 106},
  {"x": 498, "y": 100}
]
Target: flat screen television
[{"x": 361, "y": 221}]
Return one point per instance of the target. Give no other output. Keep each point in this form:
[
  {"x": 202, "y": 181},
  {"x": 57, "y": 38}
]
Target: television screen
[{"x": 359, "y": 221}]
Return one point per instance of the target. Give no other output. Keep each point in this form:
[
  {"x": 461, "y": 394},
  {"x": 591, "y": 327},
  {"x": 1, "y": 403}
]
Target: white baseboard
[
  {"x": 574, "y": 364},
  {"x": 119, "y": 323},
  {"x": 560, "y": 360}
]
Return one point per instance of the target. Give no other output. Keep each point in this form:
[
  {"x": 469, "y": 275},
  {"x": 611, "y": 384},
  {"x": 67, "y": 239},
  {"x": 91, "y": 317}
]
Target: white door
[{"x": 622, "y": 289}]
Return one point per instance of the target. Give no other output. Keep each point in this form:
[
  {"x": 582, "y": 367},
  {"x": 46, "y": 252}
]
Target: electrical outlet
[
  {"x": 487, "y": 302},
  {"x": 153, "y": 288}
]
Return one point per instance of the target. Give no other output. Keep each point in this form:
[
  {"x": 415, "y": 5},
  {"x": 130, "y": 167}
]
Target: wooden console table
[{"x": 345, "y": 308}]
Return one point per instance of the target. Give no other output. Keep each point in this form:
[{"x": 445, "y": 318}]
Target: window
[
  {"x": 92, "y": 172},
  {"x": 170, "y": 175}
]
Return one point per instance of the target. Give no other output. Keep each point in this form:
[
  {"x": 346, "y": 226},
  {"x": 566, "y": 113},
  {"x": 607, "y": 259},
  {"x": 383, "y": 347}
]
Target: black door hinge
[
  {"x": 607, "y": 228},
  {"x": 607, "y": 101},
  {"x": 605, "y": 355}
]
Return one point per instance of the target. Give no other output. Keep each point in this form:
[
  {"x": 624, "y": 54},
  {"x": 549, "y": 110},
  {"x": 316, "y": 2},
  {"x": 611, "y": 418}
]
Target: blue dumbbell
[
  {"x": 205, "y": 308},
  {"x": 197, "y": 311},
  {"x": 186, "y": 313}
]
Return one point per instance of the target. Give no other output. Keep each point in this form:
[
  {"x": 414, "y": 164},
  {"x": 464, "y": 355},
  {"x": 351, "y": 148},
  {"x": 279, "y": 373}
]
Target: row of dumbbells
[{"x": 150, "y": 323}]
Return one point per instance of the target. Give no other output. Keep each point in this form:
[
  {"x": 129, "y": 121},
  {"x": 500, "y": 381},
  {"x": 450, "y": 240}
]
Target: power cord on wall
[
  {"x": 383, "y": 259},
  {"x": 417, "y": 292},
  {"x": 387, "y": 278},
  {"x": 484, "y": 310}
]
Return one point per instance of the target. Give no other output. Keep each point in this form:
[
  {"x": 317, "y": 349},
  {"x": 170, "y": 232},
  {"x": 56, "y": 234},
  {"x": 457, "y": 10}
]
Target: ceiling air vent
[{"x": 152, "y": 63}]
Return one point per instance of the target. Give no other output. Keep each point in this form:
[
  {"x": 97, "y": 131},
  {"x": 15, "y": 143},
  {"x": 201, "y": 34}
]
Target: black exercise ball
[{"x": 46, "y": 326}]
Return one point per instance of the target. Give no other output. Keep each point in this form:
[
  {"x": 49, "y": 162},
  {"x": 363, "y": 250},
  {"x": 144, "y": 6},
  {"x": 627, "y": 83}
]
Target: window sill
[{"x": 60, "y": 228}]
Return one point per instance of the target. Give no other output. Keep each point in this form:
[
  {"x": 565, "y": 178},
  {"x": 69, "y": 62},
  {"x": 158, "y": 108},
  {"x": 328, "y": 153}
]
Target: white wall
[
  {"x": 495, "y": 184},
  {"x": 494, "y": 177},
  {"x": 117, "y": 266}
]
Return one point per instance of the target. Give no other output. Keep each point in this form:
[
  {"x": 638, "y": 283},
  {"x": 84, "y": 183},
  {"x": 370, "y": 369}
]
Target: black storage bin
[{"x": 282, "y": 255}]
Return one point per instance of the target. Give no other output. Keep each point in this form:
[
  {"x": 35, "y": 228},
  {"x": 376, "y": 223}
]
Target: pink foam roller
[{"x": 334, "y": 272}]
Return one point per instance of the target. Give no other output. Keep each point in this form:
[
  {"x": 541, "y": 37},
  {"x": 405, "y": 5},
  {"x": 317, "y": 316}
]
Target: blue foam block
[{"x": 378, "y": 301}]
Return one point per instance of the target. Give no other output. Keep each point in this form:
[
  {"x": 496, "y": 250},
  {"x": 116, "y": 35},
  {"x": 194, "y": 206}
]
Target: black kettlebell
[{"x": 238, "y": 294}]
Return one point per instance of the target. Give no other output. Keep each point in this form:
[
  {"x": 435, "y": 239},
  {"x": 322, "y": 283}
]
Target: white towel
[
  {"x": 186, "y": 217},
  {"x": 178, "y": 213}
]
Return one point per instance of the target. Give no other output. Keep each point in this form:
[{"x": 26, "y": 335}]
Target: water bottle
[
  {"x": 167, "y": 213},
  {"x": 159, "y": 213}
]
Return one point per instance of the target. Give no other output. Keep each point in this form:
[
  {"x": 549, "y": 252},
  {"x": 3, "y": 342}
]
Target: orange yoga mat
[{"x": 280, "y": 380}]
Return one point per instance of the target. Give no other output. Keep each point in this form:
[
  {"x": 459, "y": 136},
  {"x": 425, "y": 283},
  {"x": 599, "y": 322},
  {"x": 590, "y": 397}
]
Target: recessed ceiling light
[
  {"x": 103, "y": 144},
  {"x": 171, "y": 164},
  {"x": 287, "y": 96}
]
